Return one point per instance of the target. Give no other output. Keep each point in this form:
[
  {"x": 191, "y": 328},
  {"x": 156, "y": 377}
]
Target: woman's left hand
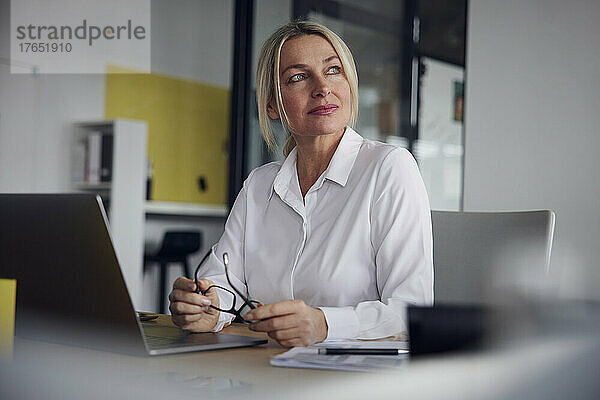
[{"x": 291, "y": 323}]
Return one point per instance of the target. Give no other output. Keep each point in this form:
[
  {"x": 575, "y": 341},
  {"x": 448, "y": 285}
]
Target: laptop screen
[{"x": 69, "y": 283}]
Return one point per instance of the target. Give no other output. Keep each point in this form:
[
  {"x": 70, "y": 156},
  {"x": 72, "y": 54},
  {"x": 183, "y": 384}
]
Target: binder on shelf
[
  {"x": 79, "y": 162},
  {"x": 106, "y": 158},
  {"x": 94, "y": 149}
]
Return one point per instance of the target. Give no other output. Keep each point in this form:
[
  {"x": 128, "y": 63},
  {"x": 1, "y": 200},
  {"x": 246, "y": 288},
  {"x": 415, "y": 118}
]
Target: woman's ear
[{"x": 272, "y": 112}]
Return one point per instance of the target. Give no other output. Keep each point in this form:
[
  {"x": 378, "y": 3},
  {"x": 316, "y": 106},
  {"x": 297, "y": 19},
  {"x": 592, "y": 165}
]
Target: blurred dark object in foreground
[
  {"x": 444, "y": 328},
  {"x": 453, "y": 328}
]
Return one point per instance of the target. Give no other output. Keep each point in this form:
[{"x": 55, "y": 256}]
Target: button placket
[
  {"x": 296, "y": 204},
  {"x": 299, "y": 207},
  {"x": 298, "y": 254},
  {"x": 310, "y": 201}
]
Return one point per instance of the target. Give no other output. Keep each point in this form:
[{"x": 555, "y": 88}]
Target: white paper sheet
[{"x": 308, "y": 357}]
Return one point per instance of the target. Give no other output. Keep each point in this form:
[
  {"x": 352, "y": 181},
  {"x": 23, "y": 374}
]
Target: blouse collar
[{"x": 338, "y": 170}]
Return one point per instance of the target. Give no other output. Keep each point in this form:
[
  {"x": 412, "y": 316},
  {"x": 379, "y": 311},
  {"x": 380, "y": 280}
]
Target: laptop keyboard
[{"x": 157, "y": 342}]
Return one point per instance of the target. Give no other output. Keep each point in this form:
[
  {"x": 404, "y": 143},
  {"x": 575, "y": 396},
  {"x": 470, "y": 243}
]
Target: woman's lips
[{"x": 324, "y": 110}]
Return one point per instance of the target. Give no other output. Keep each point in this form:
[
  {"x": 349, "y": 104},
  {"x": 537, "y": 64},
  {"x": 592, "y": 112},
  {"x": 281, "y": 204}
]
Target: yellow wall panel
[
  {"x": 8, "y": 294},
  {"x": 188, "y": 131}
]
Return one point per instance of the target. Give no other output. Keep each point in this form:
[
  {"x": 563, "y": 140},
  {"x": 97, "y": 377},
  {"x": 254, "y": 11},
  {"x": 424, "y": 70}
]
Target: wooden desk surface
[{"x": 247, "y": 367}]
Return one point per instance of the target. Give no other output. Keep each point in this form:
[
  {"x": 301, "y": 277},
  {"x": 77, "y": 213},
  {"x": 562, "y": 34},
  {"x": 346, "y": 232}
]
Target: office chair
[
  {"x": 175, "y": 248},
  {"x": 481, "y": 260},
  {"x": 480, "y": 257}
]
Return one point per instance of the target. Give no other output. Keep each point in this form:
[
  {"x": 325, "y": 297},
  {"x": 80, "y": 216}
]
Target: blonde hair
[{"x": 267, "y": 76}]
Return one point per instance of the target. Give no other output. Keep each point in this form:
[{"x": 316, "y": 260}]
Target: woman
[{"x": 336, "y": 239}]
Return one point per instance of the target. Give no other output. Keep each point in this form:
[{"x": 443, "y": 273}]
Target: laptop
[{"x": 69, "y": 283}]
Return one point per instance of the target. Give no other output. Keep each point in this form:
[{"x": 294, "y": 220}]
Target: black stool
[{"x": 175, "y": 248}]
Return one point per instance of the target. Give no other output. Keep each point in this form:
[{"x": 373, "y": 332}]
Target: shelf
[
  {"x": 174, "y": 208},
  {"x": 92, "y": 186},
  {"x": 95, "y": 124}
]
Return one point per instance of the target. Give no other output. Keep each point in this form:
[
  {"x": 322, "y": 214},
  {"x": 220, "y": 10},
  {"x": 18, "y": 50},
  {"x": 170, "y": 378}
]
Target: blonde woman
[{"x": 335, "y": 240}]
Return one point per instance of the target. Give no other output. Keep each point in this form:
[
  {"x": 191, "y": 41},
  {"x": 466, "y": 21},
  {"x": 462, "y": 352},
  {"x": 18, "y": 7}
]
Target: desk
[
  {"x": 542, "y": 368},
  {"x": 248, "y": 366}
]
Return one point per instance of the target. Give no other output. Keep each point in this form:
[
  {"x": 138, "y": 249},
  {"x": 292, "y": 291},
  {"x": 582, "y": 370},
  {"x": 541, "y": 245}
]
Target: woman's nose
[{"x": 321, "y": 89}]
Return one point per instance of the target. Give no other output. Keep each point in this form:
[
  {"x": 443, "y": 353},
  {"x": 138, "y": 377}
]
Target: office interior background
[{"x": 497, "y": 100}]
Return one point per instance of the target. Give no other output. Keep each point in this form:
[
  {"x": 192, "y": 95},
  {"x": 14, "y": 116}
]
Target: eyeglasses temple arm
[
  {"x": 198, "y": 269},
  {"x": 226, "y": 263}
]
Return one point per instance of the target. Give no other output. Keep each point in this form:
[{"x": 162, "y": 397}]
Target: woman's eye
[
  {"x": 296, "y": 78},
  {"x": 334, "y": 70}
]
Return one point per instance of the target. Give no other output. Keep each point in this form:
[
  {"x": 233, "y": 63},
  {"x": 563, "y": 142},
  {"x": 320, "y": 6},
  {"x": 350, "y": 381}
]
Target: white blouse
[{"x": 359, "y": 246}]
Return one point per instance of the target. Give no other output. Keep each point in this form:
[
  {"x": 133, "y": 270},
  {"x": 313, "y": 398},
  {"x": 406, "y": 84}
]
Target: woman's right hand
[{"x": 190, "y": 310}]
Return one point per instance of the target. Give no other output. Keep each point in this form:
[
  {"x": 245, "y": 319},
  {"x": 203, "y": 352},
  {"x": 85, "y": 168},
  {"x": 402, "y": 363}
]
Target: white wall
[
  {"x": 35, "y": 116},
  {"x": 190, "y": 39},
  {"x": 35, "y": 132},
  {"x": 532, "y": 123}
]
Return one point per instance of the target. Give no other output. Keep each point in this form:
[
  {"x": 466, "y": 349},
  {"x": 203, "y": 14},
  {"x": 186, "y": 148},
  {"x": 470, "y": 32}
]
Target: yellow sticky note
[{"x": 8, "y": 294}]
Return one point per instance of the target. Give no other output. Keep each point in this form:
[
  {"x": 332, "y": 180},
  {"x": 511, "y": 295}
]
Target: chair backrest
[
  {"x": 179, "y": 243},
  {"x": 479, "y": 256}
]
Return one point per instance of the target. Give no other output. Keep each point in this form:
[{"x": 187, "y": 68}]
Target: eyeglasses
[{"x": 225, "y": 293}]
